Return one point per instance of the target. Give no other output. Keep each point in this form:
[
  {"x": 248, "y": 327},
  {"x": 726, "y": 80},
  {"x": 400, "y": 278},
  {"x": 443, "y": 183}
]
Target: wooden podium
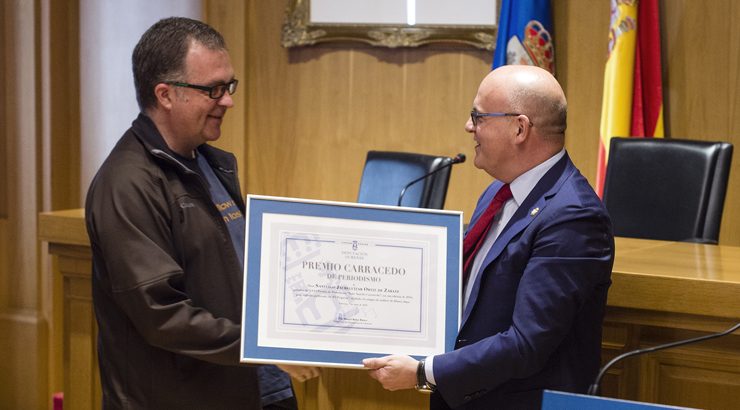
[
  {"x": 661, "y": 292},
  {"x": 73, "y": 364}
]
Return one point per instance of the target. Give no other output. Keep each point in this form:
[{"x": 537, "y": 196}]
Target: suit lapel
[{"x": 531, "y": 207}]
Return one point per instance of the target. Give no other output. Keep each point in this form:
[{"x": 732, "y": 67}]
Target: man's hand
[
  {"x": 394, "y": 372},
  {"x": 300, "y": 373}
]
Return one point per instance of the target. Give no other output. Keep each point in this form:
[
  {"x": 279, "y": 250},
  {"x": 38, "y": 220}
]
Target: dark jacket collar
[
  {"x": 223, "y": 162},
  {"x": 146, "y": 131}
]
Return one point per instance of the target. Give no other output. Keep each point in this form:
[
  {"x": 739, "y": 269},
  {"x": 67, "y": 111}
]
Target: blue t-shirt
[{"x": 274, "y": 383}]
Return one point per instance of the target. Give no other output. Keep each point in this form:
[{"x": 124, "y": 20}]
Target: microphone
[
  {"x": 593, "y": 390},
  {"x": 459, "y": 158}
]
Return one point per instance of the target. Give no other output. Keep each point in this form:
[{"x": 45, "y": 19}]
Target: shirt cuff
[{"x": 429, "y": 369}]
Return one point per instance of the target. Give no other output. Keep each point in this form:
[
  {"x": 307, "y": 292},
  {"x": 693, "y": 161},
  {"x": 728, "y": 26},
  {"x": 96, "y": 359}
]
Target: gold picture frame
[{"x": 298, "y": 30}]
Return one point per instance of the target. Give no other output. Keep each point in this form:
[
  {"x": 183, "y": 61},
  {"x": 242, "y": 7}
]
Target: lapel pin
[{"x": 534, "y": 211}]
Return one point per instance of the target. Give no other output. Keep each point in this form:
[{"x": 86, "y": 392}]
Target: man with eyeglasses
[
  {"x": 165, "y": 218},
  {"x": 537, "y": 259}
]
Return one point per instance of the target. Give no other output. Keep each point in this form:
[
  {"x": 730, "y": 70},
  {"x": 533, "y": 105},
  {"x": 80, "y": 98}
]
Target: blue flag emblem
[{"x": 525, "y": 34}]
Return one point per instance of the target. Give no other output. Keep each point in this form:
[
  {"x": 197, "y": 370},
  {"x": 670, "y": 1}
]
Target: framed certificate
[{"x": 331, "y": 283}]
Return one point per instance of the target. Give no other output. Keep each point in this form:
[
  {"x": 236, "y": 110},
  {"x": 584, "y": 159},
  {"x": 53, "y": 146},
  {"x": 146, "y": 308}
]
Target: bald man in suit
[{"x": 537, "y": 265}]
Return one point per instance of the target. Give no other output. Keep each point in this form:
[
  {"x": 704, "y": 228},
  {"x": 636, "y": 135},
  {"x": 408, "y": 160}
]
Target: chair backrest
[
  {"x": 387, "y": 173},
  {"x": 668, "y": 189}
]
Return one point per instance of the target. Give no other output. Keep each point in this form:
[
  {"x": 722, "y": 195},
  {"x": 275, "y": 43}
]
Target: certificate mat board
[{"x": 331, "y": 283}]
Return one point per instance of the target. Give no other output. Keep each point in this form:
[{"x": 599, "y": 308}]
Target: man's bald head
[
  {"x": 535, "y": 92},
  {"x": 521, "y": 123}
]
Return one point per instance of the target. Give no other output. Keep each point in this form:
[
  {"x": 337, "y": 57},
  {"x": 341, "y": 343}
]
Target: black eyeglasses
[
  {"x": 215, "y": 92},
  {"x": 475, "y": 115}
]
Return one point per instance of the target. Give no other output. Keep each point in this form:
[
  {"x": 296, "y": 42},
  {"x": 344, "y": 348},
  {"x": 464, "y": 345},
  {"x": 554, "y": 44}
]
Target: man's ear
[
  {"x": 164, "y": 95},
  {"x": 523, "y": 126}
]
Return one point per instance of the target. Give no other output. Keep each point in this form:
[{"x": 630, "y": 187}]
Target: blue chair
[
  {"x": 666, "y": 188},
  {"x": 386, "y": 174}
]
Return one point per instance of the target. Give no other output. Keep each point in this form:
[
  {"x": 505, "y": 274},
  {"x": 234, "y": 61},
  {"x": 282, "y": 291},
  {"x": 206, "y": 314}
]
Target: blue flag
[{"x": 525, "y": 34}]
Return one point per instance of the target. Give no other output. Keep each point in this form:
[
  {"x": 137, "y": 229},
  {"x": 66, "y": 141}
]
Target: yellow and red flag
[
  {"x": 632, "y": 104},
  {"x": 647, "y": 98}
]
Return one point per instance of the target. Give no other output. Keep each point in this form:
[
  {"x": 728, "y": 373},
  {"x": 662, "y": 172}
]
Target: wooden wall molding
[
  {"x": 21, "y": 355},
  {"x": 4, "y": 60},
  {"x": 64, "y": 106}
]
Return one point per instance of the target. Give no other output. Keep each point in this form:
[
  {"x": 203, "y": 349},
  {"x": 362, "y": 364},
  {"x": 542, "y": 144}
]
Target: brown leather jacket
[{"x": 167, "y": 284}]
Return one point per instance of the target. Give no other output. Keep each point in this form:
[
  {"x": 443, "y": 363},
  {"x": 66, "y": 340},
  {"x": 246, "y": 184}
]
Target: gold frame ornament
[{"x": 298, "y": 30}]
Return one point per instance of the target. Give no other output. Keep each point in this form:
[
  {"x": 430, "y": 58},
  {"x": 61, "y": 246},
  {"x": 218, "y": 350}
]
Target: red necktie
[{"x": 477, "y": 234}]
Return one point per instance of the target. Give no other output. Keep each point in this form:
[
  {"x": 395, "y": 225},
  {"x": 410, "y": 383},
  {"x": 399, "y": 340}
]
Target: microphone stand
[
  {"x": 450, "y": 162},
  {"x": 593, "y": 390}
]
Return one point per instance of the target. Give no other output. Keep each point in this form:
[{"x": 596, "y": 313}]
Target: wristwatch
[{"x": 422, "y": 384}]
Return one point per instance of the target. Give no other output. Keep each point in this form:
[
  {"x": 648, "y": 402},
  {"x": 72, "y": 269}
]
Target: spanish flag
[{"x": 632, "y": 104}]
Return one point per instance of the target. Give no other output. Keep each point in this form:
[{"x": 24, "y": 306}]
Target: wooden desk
[
  {"x": 667, "y": 291},
  {"x": 661, "y": 291},
  {"x": 692, "y": 278}
]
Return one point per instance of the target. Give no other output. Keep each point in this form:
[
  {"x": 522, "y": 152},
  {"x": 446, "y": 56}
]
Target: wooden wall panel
[
  {"x": 3, "y": 107},
  {"x": 312, "y": 113},
  {"x": 21, "y": 349},
  {"x": 703, "y": 375},
  {"x": 692, "y": 378},
  {"x": 581, "y": 30},
  {"x": 701, "y": 43},
  {"x": 228, "y": 18},
  {"x": 64, "y": 106}
]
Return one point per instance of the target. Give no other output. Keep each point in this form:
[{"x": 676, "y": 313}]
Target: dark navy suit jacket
[{"x": 533, "y": 320}]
